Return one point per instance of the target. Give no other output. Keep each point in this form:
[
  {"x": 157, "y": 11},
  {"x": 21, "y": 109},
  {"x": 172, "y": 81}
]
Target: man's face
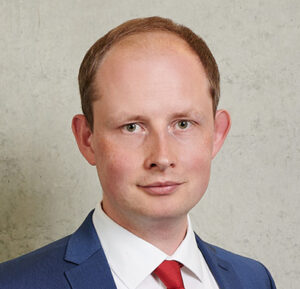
[{"x": 153, "y": 131}]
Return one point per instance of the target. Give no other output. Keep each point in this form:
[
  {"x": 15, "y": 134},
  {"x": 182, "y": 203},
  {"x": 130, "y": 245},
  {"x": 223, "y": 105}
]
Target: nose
[{"x": 160, "y": 152}]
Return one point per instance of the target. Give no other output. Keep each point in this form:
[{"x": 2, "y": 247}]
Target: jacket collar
[
  {"x": 223, "y": 272},
  {"x": 84, "y": 250},
  {"x": 92, "y": 270}
]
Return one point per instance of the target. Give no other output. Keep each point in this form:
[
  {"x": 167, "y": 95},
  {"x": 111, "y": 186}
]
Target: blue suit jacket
[{"x": 78, "y": 262}]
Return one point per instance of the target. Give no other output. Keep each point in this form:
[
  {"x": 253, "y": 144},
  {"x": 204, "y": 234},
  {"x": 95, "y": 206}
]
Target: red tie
[{"x": 169, "y": 273}]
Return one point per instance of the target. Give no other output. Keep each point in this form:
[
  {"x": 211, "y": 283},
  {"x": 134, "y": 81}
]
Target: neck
[{"x": 165, "y": 234}]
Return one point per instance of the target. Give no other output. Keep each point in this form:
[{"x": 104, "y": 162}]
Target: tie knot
[{"x": 169, "y": 273}]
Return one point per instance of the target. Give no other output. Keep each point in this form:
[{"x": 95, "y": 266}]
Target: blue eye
[{"x": 183, "y": 124}]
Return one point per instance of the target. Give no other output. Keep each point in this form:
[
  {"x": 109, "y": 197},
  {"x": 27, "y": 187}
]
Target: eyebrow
[
  {"x": 125, "y": 117},
  {"x": 188, "y": 113}
]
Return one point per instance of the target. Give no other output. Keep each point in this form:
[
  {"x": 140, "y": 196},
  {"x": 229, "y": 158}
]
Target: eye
[
  {"x": 183, "y": 124},
  {"x": 131, "y": 127}
]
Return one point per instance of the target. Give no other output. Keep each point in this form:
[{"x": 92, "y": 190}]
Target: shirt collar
[
  {"x": 189, "y": 254},
  {"x": 126, "y": 252}
]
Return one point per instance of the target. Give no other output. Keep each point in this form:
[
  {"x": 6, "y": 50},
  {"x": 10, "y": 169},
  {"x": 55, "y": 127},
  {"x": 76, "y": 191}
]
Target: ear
[
  {"x": 83, "y": 136},
  {"x": 221, "y": 129}
]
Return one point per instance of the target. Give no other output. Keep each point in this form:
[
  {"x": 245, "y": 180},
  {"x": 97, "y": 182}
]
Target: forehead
[
  {"x": 150, "y": 68},
  {"x": 146, "y": 46}
]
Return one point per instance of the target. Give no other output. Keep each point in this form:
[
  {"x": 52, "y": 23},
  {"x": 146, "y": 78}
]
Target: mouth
[{"x": 160, "y": 188}]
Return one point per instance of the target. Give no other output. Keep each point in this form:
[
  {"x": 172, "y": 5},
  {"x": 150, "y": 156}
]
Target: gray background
[{"x": 47, "y": 188}]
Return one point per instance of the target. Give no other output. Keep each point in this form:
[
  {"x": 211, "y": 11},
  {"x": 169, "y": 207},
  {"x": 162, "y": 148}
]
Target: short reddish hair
[{"x": 95, "y": 54}]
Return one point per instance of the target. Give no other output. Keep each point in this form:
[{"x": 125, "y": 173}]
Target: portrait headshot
[{"x": 149, "y": 145}]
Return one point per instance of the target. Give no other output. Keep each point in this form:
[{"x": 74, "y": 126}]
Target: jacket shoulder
[
  {"x": 233, "y": 258},
  {"x": 247, "y": 269},
  {"x": 44, "y": 264}
]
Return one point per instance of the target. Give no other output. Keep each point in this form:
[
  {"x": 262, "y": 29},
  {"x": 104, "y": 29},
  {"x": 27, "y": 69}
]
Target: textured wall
[{"x": 252, "y": 205}]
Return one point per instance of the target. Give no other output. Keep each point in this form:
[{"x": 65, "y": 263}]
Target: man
[{"x": 149, "y": 91}]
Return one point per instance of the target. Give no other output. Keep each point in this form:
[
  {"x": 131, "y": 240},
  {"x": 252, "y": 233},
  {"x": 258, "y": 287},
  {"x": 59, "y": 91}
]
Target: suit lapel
[
  {"x": 91, "y": 274},
  {"x": 91, "y": 268},
  {"x": 222, "y": 271},
  {"x": 84, "y": 250}
]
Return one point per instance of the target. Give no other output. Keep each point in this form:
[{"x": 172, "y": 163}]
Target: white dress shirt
[{"x": 132, "y": 260}]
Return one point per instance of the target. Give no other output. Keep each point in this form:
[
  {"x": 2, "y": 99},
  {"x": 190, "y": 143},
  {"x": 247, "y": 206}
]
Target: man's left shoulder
[
  {"x": 239, "y": 262},
  {"x": 252, "y": 273}
]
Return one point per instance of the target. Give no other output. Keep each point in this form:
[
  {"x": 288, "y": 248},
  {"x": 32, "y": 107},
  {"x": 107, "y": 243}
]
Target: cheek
[
  {"x": 114, "y": 164},
  {"x": 198, "y": 153},
  {"x": 197, "y": 163},
  {"x": 198, "y": 166}
]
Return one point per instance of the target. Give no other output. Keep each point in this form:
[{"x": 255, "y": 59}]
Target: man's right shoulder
[{"x": 46, "y": 263}]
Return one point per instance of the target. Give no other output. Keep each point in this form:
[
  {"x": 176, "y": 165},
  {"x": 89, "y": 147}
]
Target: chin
[{"x": 166, "y": 211}]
